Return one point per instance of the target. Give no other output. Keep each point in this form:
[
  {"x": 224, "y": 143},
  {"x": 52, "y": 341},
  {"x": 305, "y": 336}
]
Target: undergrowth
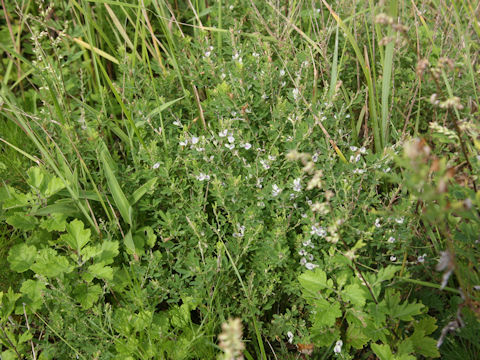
[{"x": 239, "y": 179}]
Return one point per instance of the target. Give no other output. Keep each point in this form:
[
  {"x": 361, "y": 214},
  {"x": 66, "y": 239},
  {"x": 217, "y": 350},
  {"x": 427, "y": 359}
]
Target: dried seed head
[
  {"x": 230, "y": 340},
  {"x": 421, "y": 66},
  {"x": 383, "y": 19}
]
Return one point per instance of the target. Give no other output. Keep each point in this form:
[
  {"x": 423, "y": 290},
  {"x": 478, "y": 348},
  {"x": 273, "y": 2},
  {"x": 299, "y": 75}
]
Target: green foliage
[{"x": 170, "y": 168}]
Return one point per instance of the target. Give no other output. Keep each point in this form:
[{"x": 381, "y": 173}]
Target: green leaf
[
  {"x": 87, "y": 295},
  {"x": 355, "y": 294},
  {"x": 382, "y": 351},
  {"x": 77, "y": 236},
  {"x": 9, "y": 355},
  {"x": 121, "y": 201},
  {"x": 422, "y": 344},
  {"x": 35, "y": 177},
  {"x": 55, "y": 184},
  {"x": 108, "y": 252},
  {"x": 55, "y": 222},
  {"x": 356, "y": 337},
  {"x": 21, "y": 257},
  {"x": 142, "y": 190},
  {"x": 100, "y": 271},
  {"x": 20, "y": 220},
  {"x": 325, "y": 314},
  {"x": 405, "y": 311},
  {"x": 427, "y": 325},
  {"x": 314, "y": 281},
  {"x": 49, "y": 264},
  {"x": 32, "y": 291}
]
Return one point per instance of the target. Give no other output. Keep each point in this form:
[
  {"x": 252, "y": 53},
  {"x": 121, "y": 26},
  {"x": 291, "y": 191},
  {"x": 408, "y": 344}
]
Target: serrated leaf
[
  {"x": 382, "y": 351},
  {"x": 55, "y": 222},
  {"x": 314, "y": 281},
  {"x": 32, "y": 291},
  {"x": 35, "y": 177},
  {"x": 325, "y": 314},
  {"x": 21, "y": 257},
  {"x": 356, "y": 337},
  {"x": 427, "y": 325},
  {"x": 89, "y": 252},
  {"x": 20, "y": 220},
  {"x": 49, "y": 264},
  {"x": 100, "y": 271},
  {"x": 77, "y": 236},
  {"x": 404, "y": 311},
  {"x": 9, "y": 355},
  {"x": 87, "y": 295},
  {"x": 55, "y": 184},
  {"x": 354, "y": 294},
  {"x": 405, "y": 347}
]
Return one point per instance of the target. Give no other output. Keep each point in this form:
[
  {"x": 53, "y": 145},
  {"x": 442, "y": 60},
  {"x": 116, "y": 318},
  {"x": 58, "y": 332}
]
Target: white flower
[
  {"x": 310, "y": 257},
  {"x": 183, "y": 143},
  {"x": 359, "y": 171},
  {"x": 231, "y": 7},
  {"x": 254, "y": 54},
  {"x": 264, "y": 96},
  {"x": 276, "y": 190},
  {"x": 223, "y": 133},
  {"x": 353, "y": 148},
  {"x": 231, "y": 139},
  {"x": 265, "y": 165},
  {"x": 282, "y": 72},
  {"x": 421, "y": 258},
  {"x": 156, "y": 165},
  {"x": 290, "y": 337},
  {"x": 310, "y": 266},
  {"x": 202, "y": 176},
  {"x": 391, "y": 240},
  {"x": 387, "y": 170},
  {"x": 194, "y": 140},
  {"x": 399, "y": 220},
  {"x": 377, "y": 223},
  {"x": 177, "y": 123},
  {"x": 302, "y": 252},
  {"x": 303, "y": 261},
  {"x": 318, "y": 230},
  {"x": 230, "y": 146},
  {"x": 247, "y": 146},
  {"x": 241, "y": 231},
  {"x": 272, "y": 158},
  {"x": 315, "y": 157},
  {"x": 207, "y": 53},
  {"x": 295, "y": 93},
  {"x": 338, "y": 347},
  {"x": 223, "y": 76},
  {"x": 296, "y": 185},
  {"x": 363, "y": 150},
  {"x": 393, "y": 258}
]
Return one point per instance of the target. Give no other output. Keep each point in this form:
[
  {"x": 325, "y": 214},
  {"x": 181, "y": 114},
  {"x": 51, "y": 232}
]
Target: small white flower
[
  {"x": 183, "y": 143},
  {"x": 207, "y": 53},
  {"x": 391, "y": 240},
  {"x": 231, "y": 139},
  {"x": 303, "y": 261},
  {"x": 272, "y": 157},
  {"x": 377, "y": 223},
  {"x": 230, "y": 146},
  {"x": 302, "y": 252},
  {"x": 283, "y": 83},
  {"x": 295, "y": 93},
  {"x": 290, "y": 337},
  {"x": 276, "y": 190},
  {"x": 359, "y": 171},
  {"x": 254, "y": 54},
  {"x": 265, "y": 165},
  {"x": 223, "y": 76},
  {"x": 353, "y": 148},
  {"x": 310, "y": 257},
  {"x": 421, "y": 258},
  {"x": 318, "y": 230},
  {"x": 202, "y": 176},
  {"x": 247, "y": 146},
  {"x": 315, "y": 157},
  {"x": 363, "y": 150},
  {"x": 282, "y": 72},
  {"x": 194, "y": 140},
  {"x": 223, "y": 133},
  {"x": 296, "y": 185},
  {"x": 338, "y": 347},
  {"x": 264, "y": 96},
  {"x": 156, "y": 165},
  {"x": 231, "y": 7},
  {"x": 310, "y": 266},
  {"x": 399, "y": 220},
  {"x": 393, "y": 258},
  {"x": 387, "y": 170}
]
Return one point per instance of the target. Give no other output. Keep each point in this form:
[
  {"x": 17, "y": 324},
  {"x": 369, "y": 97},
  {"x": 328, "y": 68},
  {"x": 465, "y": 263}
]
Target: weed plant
[{"x": 239, "y": 179}]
